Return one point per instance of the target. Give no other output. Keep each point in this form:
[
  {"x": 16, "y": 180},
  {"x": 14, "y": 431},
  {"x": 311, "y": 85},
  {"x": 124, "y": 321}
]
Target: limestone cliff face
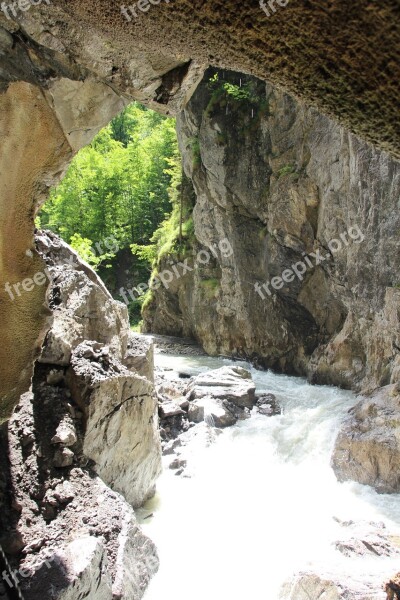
[
  {"x": 277, "y": 184},
  {"x": 367, "y": 447}
]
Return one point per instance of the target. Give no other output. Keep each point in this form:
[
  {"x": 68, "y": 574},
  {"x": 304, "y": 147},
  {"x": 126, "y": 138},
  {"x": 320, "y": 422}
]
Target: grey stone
[
  {"x": 228, "y": 383},
  {"x": 367, "y": 448},
  {"x": 271, "y": 194},
  {"x": 121, "y": 423},
  {"x": 63, "y": 458},
  {"x": 169, "y": 409},
  {"x": 65, "y": 434}
]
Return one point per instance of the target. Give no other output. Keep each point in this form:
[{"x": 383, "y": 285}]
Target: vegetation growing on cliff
[
  {"x": 239, "y": 94},
  {"x": 118, "y": 185},
  {"x": 210, "y": 287},
  {"x": 123, "y": 187}
]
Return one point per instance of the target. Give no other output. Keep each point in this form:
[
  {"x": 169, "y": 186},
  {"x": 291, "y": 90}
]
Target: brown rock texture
[
  {"x": 60, "y": 523},
  {"x": 88, "y": 345},
  {"x": 27, "y": 167},
  {"x": 341, "y": 57},
  {"x": 88, "y": 416}
]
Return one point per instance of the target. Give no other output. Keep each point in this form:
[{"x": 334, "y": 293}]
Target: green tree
[{"x": 119, "y": 184}]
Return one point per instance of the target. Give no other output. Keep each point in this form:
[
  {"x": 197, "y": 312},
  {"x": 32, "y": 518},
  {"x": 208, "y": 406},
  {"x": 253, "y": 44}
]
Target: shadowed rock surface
[
  {"x": 63, "y": 512},
  {"x": 88, "y": 415},
  {"x": 90, "y": 337}
]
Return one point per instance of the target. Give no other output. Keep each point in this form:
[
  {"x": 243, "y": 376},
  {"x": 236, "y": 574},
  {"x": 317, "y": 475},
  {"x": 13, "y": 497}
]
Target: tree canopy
[{"x": 119, "y": 185}]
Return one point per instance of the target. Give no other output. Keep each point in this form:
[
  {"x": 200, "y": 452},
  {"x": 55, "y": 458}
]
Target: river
[{"x": 263, "y": 502}]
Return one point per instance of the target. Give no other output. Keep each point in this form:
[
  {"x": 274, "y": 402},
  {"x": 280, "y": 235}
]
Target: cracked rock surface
[{"x": 89, "y": 421}]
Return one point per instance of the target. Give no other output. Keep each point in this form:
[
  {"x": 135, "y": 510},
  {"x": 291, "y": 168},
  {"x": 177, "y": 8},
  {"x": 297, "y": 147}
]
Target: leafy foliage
[
  {"x": 175, "y": 233},
  {"x": 286, "y": 170},
  {"x": 121, "y": 187},
  {"x": 239, "y": 93},
  {"x": 83, "y": 247},
  {"x": 245, "y": 97},
  {"x": 118, "y": 185}
]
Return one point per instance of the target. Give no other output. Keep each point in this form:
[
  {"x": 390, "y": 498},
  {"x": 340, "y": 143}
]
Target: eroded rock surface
[
  {"x": 60, "y": 523},
  {"x": 120, "y": 410},
  {"x": 92, "y": 413},
  {"x": 221, "y": 397},
  {"x": 83, "y": 309},
  {"x": 275, "y": 184},
  {"x": 367, "y": 448},
  {"x": 108, "y": 370}
]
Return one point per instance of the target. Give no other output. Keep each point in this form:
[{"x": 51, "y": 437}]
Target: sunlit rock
[
  {"x": 367, "y": 448},
  {"x": 83, "y": 309}
]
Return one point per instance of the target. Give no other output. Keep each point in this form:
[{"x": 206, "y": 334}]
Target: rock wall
[
  {"x": 277, "y": 184},
  {"x": 91, "y": 419},
  {"x": 61, "y": 526},
  {"x": 367, "y": 448},
  {"x": 90, "y": 348}
]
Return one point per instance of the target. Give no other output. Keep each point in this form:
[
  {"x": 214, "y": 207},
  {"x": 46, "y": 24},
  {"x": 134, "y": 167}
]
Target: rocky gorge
[
  {"x": 288, "y": 130},
  {"x": 280, "y": 182},
  {"x": 84, "y": 447}
]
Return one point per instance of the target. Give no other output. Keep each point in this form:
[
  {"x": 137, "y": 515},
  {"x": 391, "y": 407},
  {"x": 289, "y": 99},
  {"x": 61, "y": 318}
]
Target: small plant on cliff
[
  {"x": 286, "y": 170},
  {"x": 246, "y": 98},
  {"x": 148, "y": 299},
  {"x": 210, "y": 287},
  {"x": 241, "y": 93},
  {"x": 196, "y": 154}
]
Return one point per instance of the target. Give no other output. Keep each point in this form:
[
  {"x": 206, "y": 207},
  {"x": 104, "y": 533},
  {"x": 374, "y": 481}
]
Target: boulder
[
  {"x": 228, "y": 383},
  {"x": 63, "y": 458},
  {"x": 109, "y": 371},
  {"x": 75, "y": 537},
  {"x": 190, "y": 445},
  {"x": 139, "y": 355},
  {"x": 83, "y": 309},
  {"x": 221, "y": 397},
  {"x": 169, "y": 409},
  {"x": 221, "y": 413},
  {"x": 310, "y": 586},
  {"x": 66, "y": 433},
  {"x": 367, "y": 448},
  {"x": 268, "y": 406},
  {"x": 120, "y": 410}
]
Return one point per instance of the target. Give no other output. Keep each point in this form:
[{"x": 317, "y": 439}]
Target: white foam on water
[{"x": 263, "y": 502}]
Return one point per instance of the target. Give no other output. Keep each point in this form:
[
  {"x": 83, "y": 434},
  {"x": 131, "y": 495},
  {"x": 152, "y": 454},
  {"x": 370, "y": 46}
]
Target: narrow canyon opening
[{"x": 120, "y": 206}]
